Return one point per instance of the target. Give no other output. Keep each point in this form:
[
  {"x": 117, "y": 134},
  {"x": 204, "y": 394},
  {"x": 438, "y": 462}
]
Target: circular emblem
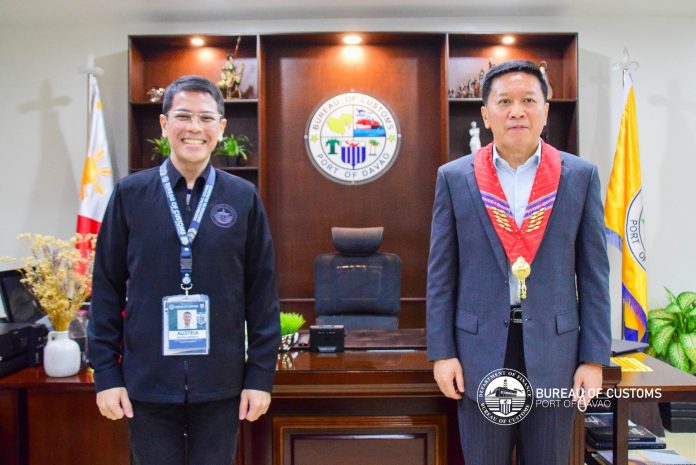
[
  {"x": 352, "y": 138},
  {"x": 223, "y": 215},
  {"x": 504, "y": 396},
  {"x": 634, "y": 229}
]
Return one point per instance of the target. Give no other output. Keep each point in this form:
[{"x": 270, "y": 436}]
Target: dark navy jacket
[{"x": 137, "y": 263}]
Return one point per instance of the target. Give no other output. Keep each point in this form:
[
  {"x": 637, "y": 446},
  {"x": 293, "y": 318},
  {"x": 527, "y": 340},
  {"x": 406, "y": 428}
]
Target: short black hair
[
  {"x": 513, "y": 66},
  {"x": 193, "y": 84}
]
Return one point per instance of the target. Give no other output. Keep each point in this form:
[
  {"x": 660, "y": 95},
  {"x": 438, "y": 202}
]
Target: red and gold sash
[{"x": 521, "y": 241}]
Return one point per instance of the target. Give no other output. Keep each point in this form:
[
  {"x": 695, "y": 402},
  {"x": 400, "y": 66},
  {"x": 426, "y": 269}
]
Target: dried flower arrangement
[{"x": 58, "y": 276}]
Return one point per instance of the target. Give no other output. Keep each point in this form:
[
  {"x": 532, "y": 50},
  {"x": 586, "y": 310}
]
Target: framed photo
[{"x": 19, "y": 305}]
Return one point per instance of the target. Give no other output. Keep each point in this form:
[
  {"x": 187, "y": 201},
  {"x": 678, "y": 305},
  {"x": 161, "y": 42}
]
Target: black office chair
[{"x": 358, "y": 287}]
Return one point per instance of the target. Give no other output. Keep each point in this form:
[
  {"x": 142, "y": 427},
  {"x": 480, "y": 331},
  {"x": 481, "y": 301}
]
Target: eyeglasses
[{"x": 186, "y": 117}]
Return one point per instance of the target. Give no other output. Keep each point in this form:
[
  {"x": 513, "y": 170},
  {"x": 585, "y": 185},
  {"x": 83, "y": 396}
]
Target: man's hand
[
  {"x": 253, "y": 404},
  {"x": 114, "y": 403},
  {"x": 449, "y": 376},
  {"x": 587, "y": 382}
]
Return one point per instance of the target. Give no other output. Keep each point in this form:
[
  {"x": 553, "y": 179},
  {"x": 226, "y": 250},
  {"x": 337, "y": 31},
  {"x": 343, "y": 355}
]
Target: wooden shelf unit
[
  {"x": 155, "y": 61},
  {"x": 287, "y": 75}
]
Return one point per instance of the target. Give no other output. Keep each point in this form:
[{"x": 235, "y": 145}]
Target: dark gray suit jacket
[{"x": 468, "y": 297}]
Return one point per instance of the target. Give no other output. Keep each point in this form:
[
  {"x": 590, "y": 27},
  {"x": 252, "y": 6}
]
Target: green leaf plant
[
  {"x": 672, "y": 331},
  {"x": 233, "y": 146},
  {"x": 160, "y": 147}
]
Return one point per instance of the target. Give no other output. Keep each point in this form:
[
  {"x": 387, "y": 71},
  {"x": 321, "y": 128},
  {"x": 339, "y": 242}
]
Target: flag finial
[
  {"x": 90, "y": 68},
  {"x": 625, "y": 64}
]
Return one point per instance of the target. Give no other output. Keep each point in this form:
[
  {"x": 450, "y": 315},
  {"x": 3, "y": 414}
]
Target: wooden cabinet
[
  {"x": 155, "y": 61},
  {"x": 287, "y": 76},
  {"x": 469, "y": 54}
]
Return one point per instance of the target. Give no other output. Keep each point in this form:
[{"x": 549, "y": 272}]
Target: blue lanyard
[{"x": 186, "y": 237}]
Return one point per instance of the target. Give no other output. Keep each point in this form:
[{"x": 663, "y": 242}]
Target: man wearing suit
[{"x": 518, "y": 200}]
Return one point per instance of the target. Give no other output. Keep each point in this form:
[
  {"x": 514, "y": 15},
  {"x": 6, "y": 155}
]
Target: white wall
[{"x": 43, "y": 127}]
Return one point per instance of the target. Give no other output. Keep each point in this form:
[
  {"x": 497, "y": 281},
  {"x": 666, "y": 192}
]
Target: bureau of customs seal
[
  {"x": 352, "y": 138},
  {"x": 635, "y": 229},
  {"x": 504, "y": 396}
]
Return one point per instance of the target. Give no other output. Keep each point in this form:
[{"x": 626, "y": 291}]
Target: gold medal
[{"x": 521, "y": 270}]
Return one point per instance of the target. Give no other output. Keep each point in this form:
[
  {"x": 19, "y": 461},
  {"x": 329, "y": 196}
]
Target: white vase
[{"x": 61, "y": 355}]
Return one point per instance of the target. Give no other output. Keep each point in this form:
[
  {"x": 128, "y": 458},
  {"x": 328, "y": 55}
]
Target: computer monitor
[{"x": 19, "y": 305}]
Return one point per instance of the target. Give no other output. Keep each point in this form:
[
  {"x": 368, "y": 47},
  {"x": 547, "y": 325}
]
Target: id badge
[{"x": 185, "y": 325}]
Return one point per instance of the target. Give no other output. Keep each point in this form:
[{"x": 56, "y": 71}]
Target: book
[
  {"x": 619, "y": 346},
  {"x": 596, "y": 420},
  {"x": 599, "y": 427},
  {"x": 636, "y": 433},
  {"x": 646, "y": 457},
  {"x": 607, "y": 445}
]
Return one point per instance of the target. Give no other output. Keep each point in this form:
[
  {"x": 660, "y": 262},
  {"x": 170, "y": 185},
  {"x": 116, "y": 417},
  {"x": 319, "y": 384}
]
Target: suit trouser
[
  {"x": 202, "y": 433},
  {"x": 543, "y": 437}
]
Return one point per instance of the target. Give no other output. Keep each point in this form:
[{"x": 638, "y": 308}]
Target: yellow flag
[{"x": 623, "y": 217}]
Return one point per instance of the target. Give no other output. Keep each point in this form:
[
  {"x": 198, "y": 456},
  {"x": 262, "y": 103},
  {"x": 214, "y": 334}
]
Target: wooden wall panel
[{"x": 302, "y": 204}]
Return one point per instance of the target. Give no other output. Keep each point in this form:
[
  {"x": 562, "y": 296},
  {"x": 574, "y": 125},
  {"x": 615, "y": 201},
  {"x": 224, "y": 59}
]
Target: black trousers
[
  {"x": 543, "y": 437},
  {"x": 184, "y": 434}
]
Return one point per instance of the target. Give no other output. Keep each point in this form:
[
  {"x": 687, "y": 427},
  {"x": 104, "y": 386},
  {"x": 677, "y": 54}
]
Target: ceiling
[{"x": 116, "y": 11}]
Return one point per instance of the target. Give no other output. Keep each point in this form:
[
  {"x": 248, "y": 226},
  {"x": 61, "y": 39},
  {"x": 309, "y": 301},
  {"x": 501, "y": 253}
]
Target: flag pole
[
  {"x": 90, "y": 70},
  {"x": 623, "y": 203}
]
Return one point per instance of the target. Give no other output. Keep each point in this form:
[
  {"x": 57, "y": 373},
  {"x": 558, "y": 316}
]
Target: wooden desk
[
  {"x": 359, "y": 403},
  {"x": 367, "y": 407},
  {"x": 56, "y": 421},
  {"x": 675, "y": 385}
]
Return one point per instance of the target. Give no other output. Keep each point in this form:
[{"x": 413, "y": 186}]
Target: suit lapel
[
  {"x": 485, "y": 219},
  {"x": 562, "y": 187}
]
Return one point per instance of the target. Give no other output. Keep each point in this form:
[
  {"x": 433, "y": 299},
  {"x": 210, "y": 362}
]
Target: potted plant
[
  {"x": 672, "y": 331},
  {"x": 60, "y": 278},
  {"x": 290, "y": 324},
  {"x": 161, "y": 148},
  {"x": 672, "y": 337},
  {"x": 233, "y": 147}
]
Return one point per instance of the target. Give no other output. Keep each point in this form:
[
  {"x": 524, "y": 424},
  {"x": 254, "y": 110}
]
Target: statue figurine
[
  {"x": 155, "y": 94},
  {"x": 231, "y": 75},
  {"x": 491, "y": 62},
  {"x": 543, "y": 67},
  {"x": 474, "y": 141},
  {"x": 463, "y": 90},
  {"x": 472, "y": 88}
]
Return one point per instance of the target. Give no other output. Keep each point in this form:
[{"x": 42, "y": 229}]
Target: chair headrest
[{"x": 357, "y": 242}]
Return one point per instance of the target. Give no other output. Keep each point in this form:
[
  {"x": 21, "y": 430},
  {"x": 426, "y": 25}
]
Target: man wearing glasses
[{"x": 184, "y": 237}]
